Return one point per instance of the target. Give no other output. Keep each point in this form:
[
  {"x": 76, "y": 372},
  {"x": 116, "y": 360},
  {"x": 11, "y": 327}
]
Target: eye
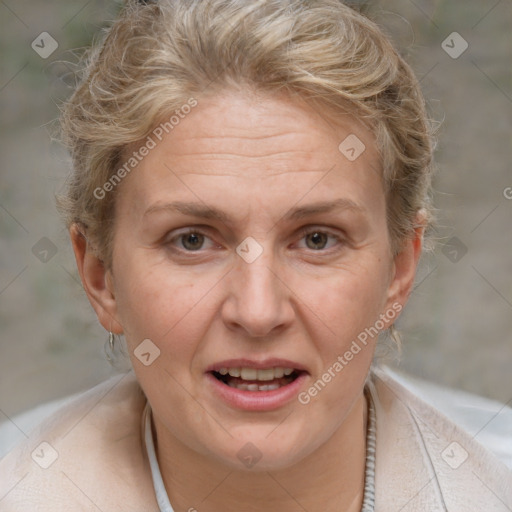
[
  {"x": 318, "y": 240},
  {"x": 190, "y": 241},
  {"x": 314, "y": 239}
]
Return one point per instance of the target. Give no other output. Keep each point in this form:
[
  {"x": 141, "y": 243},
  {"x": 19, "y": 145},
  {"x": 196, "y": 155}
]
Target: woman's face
[{"x": 248, "y": 240}]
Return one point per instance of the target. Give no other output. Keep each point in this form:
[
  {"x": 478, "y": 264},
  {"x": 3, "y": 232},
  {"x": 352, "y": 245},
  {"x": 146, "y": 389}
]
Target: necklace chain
[{"x": 371, "y": 435}]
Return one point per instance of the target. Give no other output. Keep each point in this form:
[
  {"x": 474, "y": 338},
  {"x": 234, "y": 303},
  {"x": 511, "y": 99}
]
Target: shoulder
[
  {"x": 427, "y": 461},
  {"x": 87, "y": 453}
]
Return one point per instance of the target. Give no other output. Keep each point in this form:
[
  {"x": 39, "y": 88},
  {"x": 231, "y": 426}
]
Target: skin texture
[{"x": 256, "y": 158}]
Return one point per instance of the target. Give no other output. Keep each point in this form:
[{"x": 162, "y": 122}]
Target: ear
[
  {"x": 405, "y": 264},
  {"x": 96, "y": 280}
]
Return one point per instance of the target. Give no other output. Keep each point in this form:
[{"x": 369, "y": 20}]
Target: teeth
[
  {"x": 248, "y": 374},
  {"x": 267, "y": 374},
  {"x": 280, "y": 372},
  {"x": 254, "y": 387},
  {"x": 254, "y": 374}
]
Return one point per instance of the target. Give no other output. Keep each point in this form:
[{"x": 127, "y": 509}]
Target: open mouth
[{"x": 252, "y": 379}]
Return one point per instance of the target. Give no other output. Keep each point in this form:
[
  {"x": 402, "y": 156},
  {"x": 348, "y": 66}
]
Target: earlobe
[{"x": 96, "y": 280}]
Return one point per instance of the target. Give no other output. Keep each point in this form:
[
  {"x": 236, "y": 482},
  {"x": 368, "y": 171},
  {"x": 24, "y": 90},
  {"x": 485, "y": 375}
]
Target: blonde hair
[{"x": 156, "y": 57}]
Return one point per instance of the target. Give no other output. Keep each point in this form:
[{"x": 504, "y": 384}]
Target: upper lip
[{"x": 259, "y": 365}]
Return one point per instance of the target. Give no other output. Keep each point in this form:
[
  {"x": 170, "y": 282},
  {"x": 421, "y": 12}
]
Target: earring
[
  {"x": 109, "y": 347},
  {"x": 116, "y": 353}
]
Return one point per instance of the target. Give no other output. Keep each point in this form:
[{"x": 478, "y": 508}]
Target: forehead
[
  {"x": 258, "y": 124},
  {"x": 275, "y": 147}
]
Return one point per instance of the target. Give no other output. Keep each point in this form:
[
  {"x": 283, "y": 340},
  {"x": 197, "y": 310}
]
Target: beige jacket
[{"x": 90, "y": 456}]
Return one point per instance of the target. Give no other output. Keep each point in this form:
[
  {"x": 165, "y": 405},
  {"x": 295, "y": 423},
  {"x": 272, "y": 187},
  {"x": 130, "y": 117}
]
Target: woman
[{"x": 249, "y": 200}]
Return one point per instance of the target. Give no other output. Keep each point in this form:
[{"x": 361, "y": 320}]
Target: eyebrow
[{"x": 208, "y": 212}]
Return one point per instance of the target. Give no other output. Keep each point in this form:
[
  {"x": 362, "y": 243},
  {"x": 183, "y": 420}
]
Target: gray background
[{"x": 457, "y": 327}]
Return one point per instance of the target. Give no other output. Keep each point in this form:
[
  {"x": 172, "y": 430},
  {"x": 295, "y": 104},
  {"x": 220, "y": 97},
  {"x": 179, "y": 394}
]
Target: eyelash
[{"x": 302, "y": 234}]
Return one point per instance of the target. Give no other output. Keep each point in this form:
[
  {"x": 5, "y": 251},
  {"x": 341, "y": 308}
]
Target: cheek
[
  {"x": 350, "y": 299},
  {"x": 170, "y": 307},
  {"x": 345, "y": 332},
  {"x": 173, "y": 305}
]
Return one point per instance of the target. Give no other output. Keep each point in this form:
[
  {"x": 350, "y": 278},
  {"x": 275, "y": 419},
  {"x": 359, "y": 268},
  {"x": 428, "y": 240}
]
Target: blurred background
[{"x": 457, "y": 327}]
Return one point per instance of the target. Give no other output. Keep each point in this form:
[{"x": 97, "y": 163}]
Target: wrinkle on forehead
[
  {"x": 270, "y": 173},
  {"x": 280, "y": 142},
  {"x": 273, "y": 127}
]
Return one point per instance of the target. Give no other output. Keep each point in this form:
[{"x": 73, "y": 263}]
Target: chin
[{"x": 258, "y": 451}]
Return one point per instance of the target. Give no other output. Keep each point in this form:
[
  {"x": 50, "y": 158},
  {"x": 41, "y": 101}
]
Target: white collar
[{"x": 161, "y": 494}]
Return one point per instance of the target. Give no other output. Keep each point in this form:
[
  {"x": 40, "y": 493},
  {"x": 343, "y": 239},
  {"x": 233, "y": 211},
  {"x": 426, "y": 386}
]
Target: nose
[{"x": 259, "y": 301}]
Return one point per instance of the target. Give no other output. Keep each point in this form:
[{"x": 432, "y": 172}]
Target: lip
[
  {"x": 256, "y": 400},
  {"x": 259, "y": 365}
]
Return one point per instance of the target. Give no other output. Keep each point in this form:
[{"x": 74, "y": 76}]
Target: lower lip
[{"x": 257, "y": 400}]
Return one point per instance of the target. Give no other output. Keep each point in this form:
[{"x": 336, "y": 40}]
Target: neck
[{"x": 330, "y": 479}]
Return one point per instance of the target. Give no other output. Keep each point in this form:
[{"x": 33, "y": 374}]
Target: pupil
[
  {"x": 192, "y": 241},
  {"x": 317, "y": 239}
]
